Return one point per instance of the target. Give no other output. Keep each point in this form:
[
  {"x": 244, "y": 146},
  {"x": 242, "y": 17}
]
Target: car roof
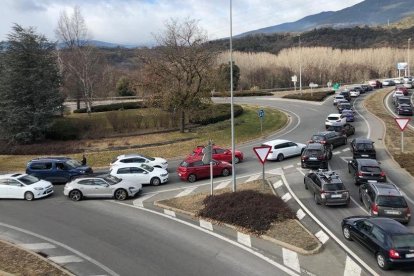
[
  {"x": 125, "y": 165},
  {"x": 275, "y": 142},
  {"x": 51, "y": 158},
  {"x": 389, "y": 225},
  {"x": 328, "y": 176},
  {"x": 323, "y": 133},
  {"x": 386, "y": 189},
  {"x": 12, "y": 175},
  {"x": 127, "y": 155},
  {"x": 363, "y": 141},
  {"x": 314, "y": 146},
  {"x": 367, "y": 162}
]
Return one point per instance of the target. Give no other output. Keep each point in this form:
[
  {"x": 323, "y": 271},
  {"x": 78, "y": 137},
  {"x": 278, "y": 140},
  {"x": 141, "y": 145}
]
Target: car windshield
[
  {"x": 28, "y": 179},
  {"x": 334, "y": 187},
  {"x": 404, "y": 101},
  {"x": 147, "y": 167},
  {"x": 370, "y": 169},
  {"x": 403, "y": 241},
  {"x": 317, "y": 138},
  {"x": 72, "y": 163},
  {"x": 363, "y": 146},
  {"x": 312, "y": 152},
  {"x": 112, "y": 179},
  {"x": 347, "y": 112},
  {"x": 391, "y": 201},
  {"x": 335, "y": 128},
  {"x": 184, "y": 164},
  {"x": 149, "y": 158}
]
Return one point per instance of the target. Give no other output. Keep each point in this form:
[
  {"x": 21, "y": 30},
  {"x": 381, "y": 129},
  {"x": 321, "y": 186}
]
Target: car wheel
[
  {"x": 331, "y": 146},
  {"x": 280, "y": 157},
  {"x": 225, "y": 172},
  {"x": 155, "y": 181},
  {"x": 382, "y": 262},
  {"x": 347, "y": 233},
  {"x": 28, "y": 196},
  {"x": 345, "y": 141},
  {"x": 360, "y": 197},
  {"x": 192, "y": 178},
  {"x": 349, "y": 170},
  {"x": 315, "y": 198},
  {"x": 75, "y": 195},
  {"x": 306, "y": 185},
  {"x": 330, "y": 155},
  {"x": 120, "y": 194},
  {"x": 236, "y": 160}
]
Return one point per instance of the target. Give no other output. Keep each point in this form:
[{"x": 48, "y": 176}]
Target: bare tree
[{"x": 177, "y": 70}]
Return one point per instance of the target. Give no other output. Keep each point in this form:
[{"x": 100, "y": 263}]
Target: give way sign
[
  {"x": 402, "y": 122},
  {"x": 262, "y": 152}
]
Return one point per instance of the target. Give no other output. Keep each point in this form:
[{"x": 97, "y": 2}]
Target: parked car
[
  {"x": 375, "y": 84},
  {"x": 329, "y": 138},
  {"x": 349, "y": 115},
  {"x": 327, "y": 188},
  {"x": 345, "y": 130},
  {"x": 193, "y": 168},
  {"x": 107, "y": 186},
  {"x": 157, "y": 162},
  {"x": 335, "y": 119},
  {"x": 404, "y": 109},
  {"x": 221, "y": 154},
  {"x": 363, "y": 148},
  {"x": 56, "y": 169},
  {"x": 316, "y": 156},
  {"x": 280, "y": 149},
  {"x": 384, "y": 200},
  {"x": 342, "y": 106},
  {"x": 388, "y": 83},
  {"x": 390, "y": 241},
  {"x": 364, "y": 170},
  {"x": 140, "y": 173},
  {"x": 336, "y": 98},
  {"x": 24, "y": 186}
]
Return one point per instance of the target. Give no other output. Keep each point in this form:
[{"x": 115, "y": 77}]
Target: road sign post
[
  {"x": 262, "y": 152},
  {"x": 261, "y": 115},
  {"x": 402, "y": 124},
  {"x": 208, "y": 158}
]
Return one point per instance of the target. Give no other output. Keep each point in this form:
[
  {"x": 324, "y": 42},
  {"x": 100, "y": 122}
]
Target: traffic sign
[
  {"x": 261, "y": 113},
  {"x": 402, "y": 122},
  {"x": 262, "y": 152},
  {"x": 336, "y": 86}
]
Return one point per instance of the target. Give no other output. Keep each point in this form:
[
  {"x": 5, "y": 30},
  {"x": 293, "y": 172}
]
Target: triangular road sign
[
  {"x": 402, "y": 122},
  {"x": 262, "y": 152}
]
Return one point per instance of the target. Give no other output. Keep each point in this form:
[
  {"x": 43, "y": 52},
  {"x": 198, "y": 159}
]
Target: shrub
[
  {"x": 242, "y": 94},
  {"x": 243, "y": 209},
  {"x": 210, "y": 114},
  {"x": 66, "y": 129},
  {"x": 307, "y": 96},
  {"x": 112, "y": 107}
]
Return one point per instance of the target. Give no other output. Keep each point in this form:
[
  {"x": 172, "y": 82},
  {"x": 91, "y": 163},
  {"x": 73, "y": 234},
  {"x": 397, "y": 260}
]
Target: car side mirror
[{"x": 105, "y": 185}]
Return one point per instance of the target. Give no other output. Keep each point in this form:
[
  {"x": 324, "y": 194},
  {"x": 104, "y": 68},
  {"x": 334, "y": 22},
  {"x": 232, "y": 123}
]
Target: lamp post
[
  {"x": 300, "y": 67},
  {"x": 408, "y": 57},
  {"x": 233, "y": 148}
]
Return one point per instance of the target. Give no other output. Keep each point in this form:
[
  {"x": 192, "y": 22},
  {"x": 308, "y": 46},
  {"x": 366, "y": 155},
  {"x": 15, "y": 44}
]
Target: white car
[
  {"x": 24, "y": 186},
  {"x": 335, "y": 119},
  {"x": 354, "y": 93},
  {"x": 408, "y": 84},
  {"x": 283, "y": 148},
  {"x": 337, "y": 98},
  {"x": 107, "y": 186},
  {"x": 140, "y": 159},
  {"x": 141, "y": 173}
]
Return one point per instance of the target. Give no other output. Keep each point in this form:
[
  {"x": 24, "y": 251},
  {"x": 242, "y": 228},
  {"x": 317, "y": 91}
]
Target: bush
[
  {"x": 243, "y": 209},
  {"x": 307, "y": 96},
  {"x": 242, "y": 94},
  {"x": 210, "y": 114},
  {"x": 112, "y": 107}
]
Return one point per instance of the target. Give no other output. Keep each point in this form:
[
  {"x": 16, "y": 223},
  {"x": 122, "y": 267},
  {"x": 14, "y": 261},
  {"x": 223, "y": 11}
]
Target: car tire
[
  {"x": 315, "y": 198},
  {"x": 155, "y": 181},
  {"x": 120, "y": 194},
  {"x": 75, "y": 195},
  {"x": 360, "y": 198},
  {"x": 347, "y": 233},
  {"x": 306, "y": 185},
  {"x": 225, "y": 172},
  {"x": 345, "y": 141},
  {"x": 382, "y": 261},
  {"x": 28, "y": 196},
  {"x": 236, "y": 160},
  {"x": 280, "y": 157},
  {"x": 192, "y": 178}
]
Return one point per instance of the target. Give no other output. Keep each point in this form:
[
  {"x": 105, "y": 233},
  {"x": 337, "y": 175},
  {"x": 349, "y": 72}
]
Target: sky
[{"x": 135, "y": 22}]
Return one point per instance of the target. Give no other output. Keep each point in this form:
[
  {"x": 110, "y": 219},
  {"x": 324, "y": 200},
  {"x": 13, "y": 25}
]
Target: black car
[
  {"x": 404, "y": 109},
  {"x": 365, "y": 170},
  {"x": 329, "y": 138},
  {"x": 390, "y": 241},
  {"x": 343, "y": 106},
  {"x": 346, "y": 95},
  {"x": 344, "y": 130},
  {"x": 316, "y": 156},
  {"x": 365, "y": 88},
  {"x": 363, "y": 148},
  {"x": 402, "y": 100}
]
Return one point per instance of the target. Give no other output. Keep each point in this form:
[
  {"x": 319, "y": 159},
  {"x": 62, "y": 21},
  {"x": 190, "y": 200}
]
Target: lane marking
[
  {"x": 291, "y": 259},
  {"x": 169, "y": 213},
  {"x": 351, "y": 267},
  {"x": 186, "y": 192},
  {"x": 253, "y": 178},
  {"x": 300, "y": 214},
  {"x": 141, "y": 199},
  {"x": 244, "y": 239},
  {"x": 366, "y": 122},
  {"x": 277, "y": 171},
  {"x": 37, "y": 246},
  {"x": 222, "y": 185},
  {"x": 278, "y": 184},
  {"x": 206, "y": 224},
  {"x": 336, "y": 152},
  {"x": 288, "y": 167},
  {"x": 286, "y": 197},
  {"x": 298, "y": 164},
  {"x": 322, "y": 237},
  {"x": 65, "y": 259},
  {"x": 347, "y": 149}
]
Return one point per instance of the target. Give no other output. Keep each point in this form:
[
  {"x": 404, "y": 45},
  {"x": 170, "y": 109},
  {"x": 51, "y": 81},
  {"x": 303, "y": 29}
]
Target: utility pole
[
  {"x": 233, "y": 148},
  {"x": 300, "y": 67},
  {"x": 408, "y": 57}
]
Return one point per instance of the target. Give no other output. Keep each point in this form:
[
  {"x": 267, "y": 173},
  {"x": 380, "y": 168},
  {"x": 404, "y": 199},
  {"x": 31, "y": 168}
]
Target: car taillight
[
  {"x": 408, "y": 212},
  {"x": 322, "y": 142},
  {"x": 374, "y": 209},
  {"x": 321, "y": 157},
  {"x": 382, "y": 174},
  {"x": 323, "y": 194},
  {"x": 359, "y": 174},
  {"x": 394, "y": 254},
  {"x": 305, "y": 157}
]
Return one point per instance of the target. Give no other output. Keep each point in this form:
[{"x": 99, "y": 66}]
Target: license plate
[
  {"x": 393, "y": 212},
  {"x": 409, "y": 255},
  {"x": 313, "y": 158},
  {"x": 364, "y": 155},
  {"x": 336, "y": 196}
]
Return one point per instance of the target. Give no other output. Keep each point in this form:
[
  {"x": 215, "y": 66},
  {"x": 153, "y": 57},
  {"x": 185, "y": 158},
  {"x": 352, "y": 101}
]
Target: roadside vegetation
[{"x": 310, "y": 96}]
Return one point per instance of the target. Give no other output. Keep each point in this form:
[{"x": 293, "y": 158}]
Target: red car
[
  {"x": 220, "y": 154},
  {"x": 193, "y": 168},
  {"x": 403, "y": 89}
]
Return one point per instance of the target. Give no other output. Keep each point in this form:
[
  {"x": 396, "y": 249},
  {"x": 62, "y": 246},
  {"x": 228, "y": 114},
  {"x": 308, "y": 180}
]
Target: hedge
[
  {"x": 242, "y": 94},
  {"x": 113, "y": 106},
  {"x": 210, "y": 114},
  {"x": 307, "y": 96}
]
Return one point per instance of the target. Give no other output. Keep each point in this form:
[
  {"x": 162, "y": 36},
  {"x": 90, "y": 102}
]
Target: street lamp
[
  {"x": 300, "y": 67},
  {"x": 233, "y": 148},
  {"x": 408, "y": 57}
]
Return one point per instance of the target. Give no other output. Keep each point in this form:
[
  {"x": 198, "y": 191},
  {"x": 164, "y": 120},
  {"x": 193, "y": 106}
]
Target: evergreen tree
[
  {"x": 29, "y": 86},
  {"x": 224, "y": 76}
]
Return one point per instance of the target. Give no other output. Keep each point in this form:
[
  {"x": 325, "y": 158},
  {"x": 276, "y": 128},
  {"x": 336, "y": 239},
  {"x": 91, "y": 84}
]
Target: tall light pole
[
  {"x": 300, "y": 67},
  {"x": 408, "y": 57},
  {"x": 233, "y": 148}
]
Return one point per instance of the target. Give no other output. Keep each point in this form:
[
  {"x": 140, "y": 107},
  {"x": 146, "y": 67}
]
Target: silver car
[{"x": 103, "y": 186}]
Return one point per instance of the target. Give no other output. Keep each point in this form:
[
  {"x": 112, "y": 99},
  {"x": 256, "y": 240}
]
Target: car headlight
[
  {"x": 38, "y": 188},
  {"x": 164, "y": 174}
]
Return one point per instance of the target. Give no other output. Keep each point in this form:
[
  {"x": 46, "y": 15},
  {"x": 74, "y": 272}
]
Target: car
[
  {"x": 58, "y": 169},
  {"x": 402, "y": 100},
  {"x": 349, "y": 115},
  {"x": 329, "y": 138},
  {"x": 157, "y": 162},
  {"x": 192, "y": 168},
  {"x": 315, "y": 156},
  {"x": 408, "y": 84},
  {"x": 398, "y": 81},
  {"x": 364, "y": 170},
  {"x": 280, "y": 149},
  {"x": 140, "y": 173},
  {"x": 363, "y": 148},
  {"x": 388, "y": 82},
  {"x": 336, "y": 98},
  {"x": 384, "y": 200},
  {"x": 335, "y": 119},
  {"x": 375, "y": 84},
  {"x": 365, "y": 88},
  {"x": 402, "y": 88},
  {"x": 221, "y": 154},
  {"x": 396, "y": 94},
  {"x": 404, "y": 109},
  {"x": 354, "y": 93},
  {"x": 346, "y": 94},
  {"x": 326, "y": 187},
  {"x": 343, "y": 106},
  {"x": 390, "y": 241},
  {"x": 345, "y": 130},
  {"x": 340, "y": 101},
  {"x": 105, "y": 186},
  {"x": 24, "y": 186}
]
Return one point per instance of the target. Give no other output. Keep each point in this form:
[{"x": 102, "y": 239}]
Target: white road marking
[
  {"x": 288, "y": 167},
  {"x": 278, "y": 184},
  {"x": 222, "y": 185},
  {"x": 298, "y": 164},
  {"x": 65, "y": 259},
  {"x": 169, "y": 213},
  {"x": 253, "y": 177},
  {"x": 366, "y": 122},
  {"x": 244, "y": 239},
  {"x": 351, "y": 267},
  {"x": 291, "y": 259},
  {"x": 186, "y": 192},
  {"x": 300, "y": 214},
  {"x": 322, "y": 237},
  {"x": 140, "y": 201},
  {"x": 37, "y": 246},
  {"x": 206, "y": 224},
  {"x": 286, "y": 197},
  {"x": 346, "y": 149},
  {"x": 336, "y": 152},
  {"x": 277, "y": 171}
]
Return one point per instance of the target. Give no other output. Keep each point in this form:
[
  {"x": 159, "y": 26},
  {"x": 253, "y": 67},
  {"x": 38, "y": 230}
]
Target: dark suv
[
  {"x": 329, "y": 138},
  {"x": 363, "y": 148},
  {"x": 327, "y": 188},
  {"x": 346, "y": 95},
  {"x": 345, "y": 130},
  {"x": 316, "y": 156},
  {"x": 384, "y": 200},
  {"x": 365, "y": 170},
  {"x": 56, "y": 169}
]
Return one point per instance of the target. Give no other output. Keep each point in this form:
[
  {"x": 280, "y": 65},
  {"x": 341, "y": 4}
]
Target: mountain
[
  {"x": 368, "y": 12},
  {"x": 103, "y": 44}
]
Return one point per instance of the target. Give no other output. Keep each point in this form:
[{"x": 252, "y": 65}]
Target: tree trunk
[{"x": 182, "y": 123}]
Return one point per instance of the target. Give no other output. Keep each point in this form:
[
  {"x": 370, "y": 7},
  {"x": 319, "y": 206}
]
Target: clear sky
[{"x": 135, "y": 21}]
